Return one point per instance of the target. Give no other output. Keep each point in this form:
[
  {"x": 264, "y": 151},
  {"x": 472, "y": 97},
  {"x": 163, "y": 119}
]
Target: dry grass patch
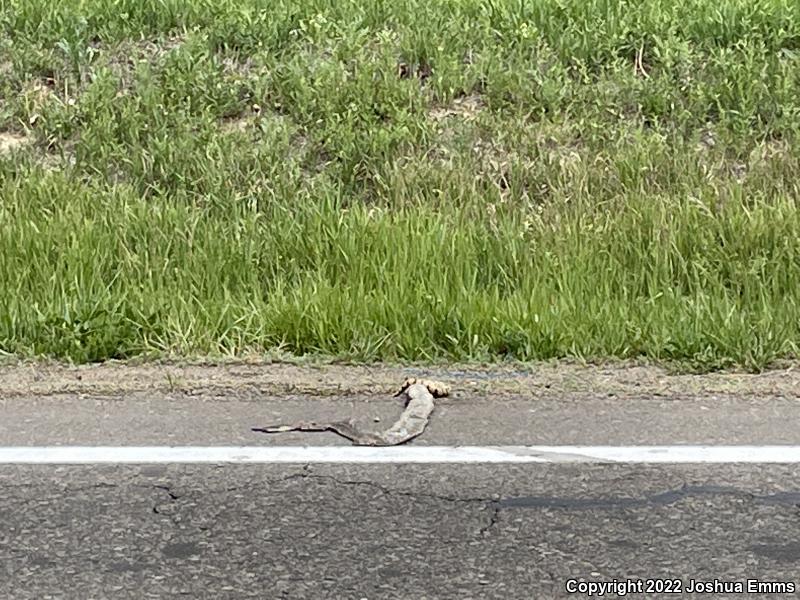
[
  {"x": 464, "y": 108},
  {"x": 35, "y": 96},
  {"x": 9, "y": 142},
  {"x": 244, "y": 122}
]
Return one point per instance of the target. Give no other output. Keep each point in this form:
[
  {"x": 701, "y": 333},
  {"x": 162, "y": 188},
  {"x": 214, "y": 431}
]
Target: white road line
[{"x": 396, "y": 454}]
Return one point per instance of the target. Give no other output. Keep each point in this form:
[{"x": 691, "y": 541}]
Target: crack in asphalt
[
  {"x": 496, "y": 505},
  {"x": 393, "y": 492},
  {"x": 488, "y": 504},
  {"x": 172, "y": 496},
  {"x": 658, "y": 499},
  {"x": 306, "y": 474},
  {"x": 493, "y": 505},
  {"x": 494, "y": 517}
]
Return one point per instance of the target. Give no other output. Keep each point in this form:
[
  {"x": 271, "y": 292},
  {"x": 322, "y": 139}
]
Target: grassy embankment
[{"x": 401, "y": 180}]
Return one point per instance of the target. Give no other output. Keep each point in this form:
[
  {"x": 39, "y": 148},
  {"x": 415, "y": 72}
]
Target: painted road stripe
[{"x": 397, "y": 454}]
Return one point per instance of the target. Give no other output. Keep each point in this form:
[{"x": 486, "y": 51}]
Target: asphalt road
[
  {"x": 160, "y": 418},
  {"x": 260, "y": 531},
  {"x": 396, "y": 531}
]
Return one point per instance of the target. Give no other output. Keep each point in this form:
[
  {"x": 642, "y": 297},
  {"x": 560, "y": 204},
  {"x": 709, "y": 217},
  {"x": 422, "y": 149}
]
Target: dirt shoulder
[{"x": 277, "y": 378}]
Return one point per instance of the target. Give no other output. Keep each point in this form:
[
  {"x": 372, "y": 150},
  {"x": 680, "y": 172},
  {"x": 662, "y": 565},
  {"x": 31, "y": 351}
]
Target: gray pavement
[
  {"x": 394, "y": 531},
  {"x": 389, "y": 532},
  {"x": 157, "y": 418}
]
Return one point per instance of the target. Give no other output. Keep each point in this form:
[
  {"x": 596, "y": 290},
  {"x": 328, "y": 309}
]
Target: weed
[{"x": 411, "y": 180}]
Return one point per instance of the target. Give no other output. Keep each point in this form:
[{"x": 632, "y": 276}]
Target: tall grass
[{"x": 401, "y": 180}]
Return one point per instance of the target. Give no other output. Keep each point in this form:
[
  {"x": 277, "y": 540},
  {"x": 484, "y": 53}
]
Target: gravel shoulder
[{"x": 468, "y": 381}]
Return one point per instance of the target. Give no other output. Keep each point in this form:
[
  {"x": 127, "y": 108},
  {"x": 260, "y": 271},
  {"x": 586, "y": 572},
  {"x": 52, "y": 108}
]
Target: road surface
[{"x": 471, "y": 530}]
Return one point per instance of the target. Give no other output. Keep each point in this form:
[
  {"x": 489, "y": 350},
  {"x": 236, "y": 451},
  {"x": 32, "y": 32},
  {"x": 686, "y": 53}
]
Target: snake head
[{"x": 436, "y": 388}]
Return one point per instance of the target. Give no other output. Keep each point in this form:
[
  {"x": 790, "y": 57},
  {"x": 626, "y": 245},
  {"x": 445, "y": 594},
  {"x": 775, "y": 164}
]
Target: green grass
[{"x": 405, "y": 180}]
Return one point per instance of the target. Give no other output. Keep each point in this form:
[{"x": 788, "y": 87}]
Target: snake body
[{"x": 418, "y": 408}]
